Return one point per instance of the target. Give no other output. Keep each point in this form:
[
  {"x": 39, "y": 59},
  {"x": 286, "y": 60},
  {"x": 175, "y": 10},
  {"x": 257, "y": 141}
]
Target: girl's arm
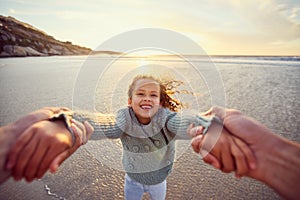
[
  {"x": 178, "y": 123},
  {"x": 105, "y": 125}
]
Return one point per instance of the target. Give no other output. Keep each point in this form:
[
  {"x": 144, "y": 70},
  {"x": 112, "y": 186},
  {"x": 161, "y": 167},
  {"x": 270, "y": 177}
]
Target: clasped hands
[
  {"x": 35, "y": 144},
  {"x": 41, "y": 145},
  {"x": 220, "y": 147}
]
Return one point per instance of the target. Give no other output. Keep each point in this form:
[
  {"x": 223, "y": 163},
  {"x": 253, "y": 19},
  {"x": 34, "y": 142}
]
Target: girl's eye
[
  {"x": 140, "y": 94},
  {"x": 154, "y": 95}
]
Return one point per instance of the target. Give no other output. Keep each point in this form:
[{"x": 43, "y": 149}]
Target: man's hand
[
  {"x": 10, "y": 133},
  {"x": 223, "y": 150},
  {"x": 43, "y": 143}
]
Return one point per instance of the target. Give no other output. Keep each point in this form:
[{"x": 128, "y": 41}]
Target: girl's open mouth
[{"x": 146, "y": 107}]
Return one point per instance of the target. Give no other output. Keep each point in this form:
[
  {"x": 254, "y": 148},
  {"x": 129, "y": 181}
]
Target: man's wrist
[{"x": 66, "y": 119}]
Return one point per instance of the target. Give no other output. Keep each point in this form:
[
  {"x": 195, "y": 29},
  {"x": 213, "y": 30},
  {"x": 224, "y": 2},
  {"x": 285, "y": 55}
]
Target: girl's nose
[{"x": 146, "y": 98}]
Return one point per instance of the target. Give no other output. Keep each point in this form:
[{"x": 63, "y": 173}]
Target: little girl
[{"x": 147, "y": 128}]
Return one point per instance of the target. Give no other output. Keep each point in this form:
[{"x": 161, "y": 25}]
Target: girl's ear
[{"x": 129, "y": 102}]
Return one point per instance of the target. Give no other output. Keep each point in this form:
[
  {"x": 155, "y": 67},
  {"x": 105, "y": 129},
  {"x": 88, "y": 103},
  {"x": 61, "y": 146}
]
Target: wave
[{"x": 248, "y": 60}]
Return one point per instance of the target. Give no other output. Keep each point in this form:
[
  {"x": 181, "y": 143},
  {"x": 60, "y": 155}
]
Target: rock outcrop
[{"x": 21, "y": 39}]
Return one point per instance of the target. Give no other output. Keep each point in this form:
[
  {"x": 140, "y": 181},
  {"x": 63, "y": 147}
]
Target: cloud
[
  {"x": 12, "y": 11},
  {"x": 217, "y": 25},
  {"x": 277, "y": 21}
]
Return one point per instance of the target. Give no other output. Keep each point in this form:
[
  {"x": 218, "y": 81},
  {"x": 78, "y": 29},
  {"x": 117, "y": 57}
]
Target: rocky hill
[{"x": 21, "y": 39}]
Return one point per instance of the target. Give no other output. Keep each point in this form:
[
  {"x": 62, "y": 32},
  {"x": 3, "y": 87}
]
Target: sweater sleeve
[
  {"x": 105, "y": 125},
  {"x": 178, "y": 123}
]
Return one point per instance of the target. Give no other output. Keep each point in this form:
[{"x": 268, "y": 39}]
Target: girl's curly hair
[{"x": 167, "y": 89}]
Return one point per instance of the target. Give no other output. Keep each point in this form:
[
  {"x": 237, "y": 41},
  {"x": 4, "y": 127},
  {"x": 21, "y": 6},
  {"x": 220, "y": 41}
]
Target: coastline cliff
[{"x": 19, "y": 39}]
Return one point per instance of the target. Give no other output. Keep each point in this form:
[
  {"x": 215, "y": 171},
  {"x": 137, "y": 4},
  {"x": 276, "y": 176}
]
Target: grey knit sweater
[{"x": 148, "y": 150}]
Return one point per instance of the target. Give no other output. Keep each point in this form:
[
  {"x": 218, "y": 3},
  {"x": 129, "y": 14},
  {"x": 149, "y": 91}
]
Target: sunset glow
[{"x": 229, "y": 27}]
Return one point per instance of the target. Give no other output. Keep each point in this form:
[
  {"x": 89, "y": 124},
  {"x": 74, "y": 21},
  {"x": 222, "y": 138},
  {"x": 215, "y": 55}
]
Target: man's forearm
[
  {"x": 7, "y": 137},
  {"x": 281, "y": 168},
  {"x": 286, "y": 177}
]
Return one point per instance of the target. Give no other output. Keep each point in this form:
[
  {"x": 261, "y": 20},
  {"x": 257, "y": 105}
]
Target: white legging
[{"x": 134, "y": 190}]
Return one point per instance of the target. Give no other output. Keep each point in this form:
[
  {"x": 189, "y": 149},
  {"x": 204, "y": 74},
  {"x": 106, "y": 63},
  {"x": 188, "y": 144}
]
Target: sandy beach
[{"x": 269, "y": 92}]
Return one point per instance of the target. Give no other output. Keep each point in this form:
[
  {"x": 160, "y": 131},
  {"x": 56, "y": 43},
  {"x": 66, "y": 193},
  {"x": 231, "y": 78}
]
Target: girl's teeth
[{"x": 146, "y": 107}]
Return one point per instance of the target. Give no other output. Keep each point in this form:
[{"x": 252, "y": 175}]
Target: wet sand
[{"x": 270, "y": 94}]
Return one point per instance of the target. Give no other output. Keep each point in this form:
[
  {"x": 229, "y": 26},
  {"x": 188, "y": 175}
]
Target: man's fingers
[
  {"x": 207, "y": 157},
  {"x": 240, "y": 160},
  {"x": 216, "y": 110},
  {"x": 208, "y": 112},
  {"x": 212, "y": 160},
  {"x": 196, "y": 143},
  {"x": 18, "y": 147},
  {"x": 47, "y": 160},
  {"x": 22, "y": 160},
  {"x": 248, "y": 153},
  {"x": 35, "y": 162},
  {"x": 228, "y": 163},
  {"x": 81, "y": 138},
  {"x": 58, "y": 160}
]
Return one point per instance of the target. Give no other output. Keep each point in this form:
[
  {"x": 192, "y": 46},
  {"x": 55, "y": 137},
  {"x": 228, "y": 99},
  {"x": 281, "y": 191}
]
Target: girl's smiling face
[{"x": 145, "y": 99}]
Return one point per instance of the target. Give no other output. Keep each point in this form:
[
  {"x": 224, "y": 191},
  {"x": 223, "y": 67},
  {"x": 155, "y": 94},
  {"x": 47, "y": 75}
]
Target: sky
[{"x": 220, "y": 27}]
